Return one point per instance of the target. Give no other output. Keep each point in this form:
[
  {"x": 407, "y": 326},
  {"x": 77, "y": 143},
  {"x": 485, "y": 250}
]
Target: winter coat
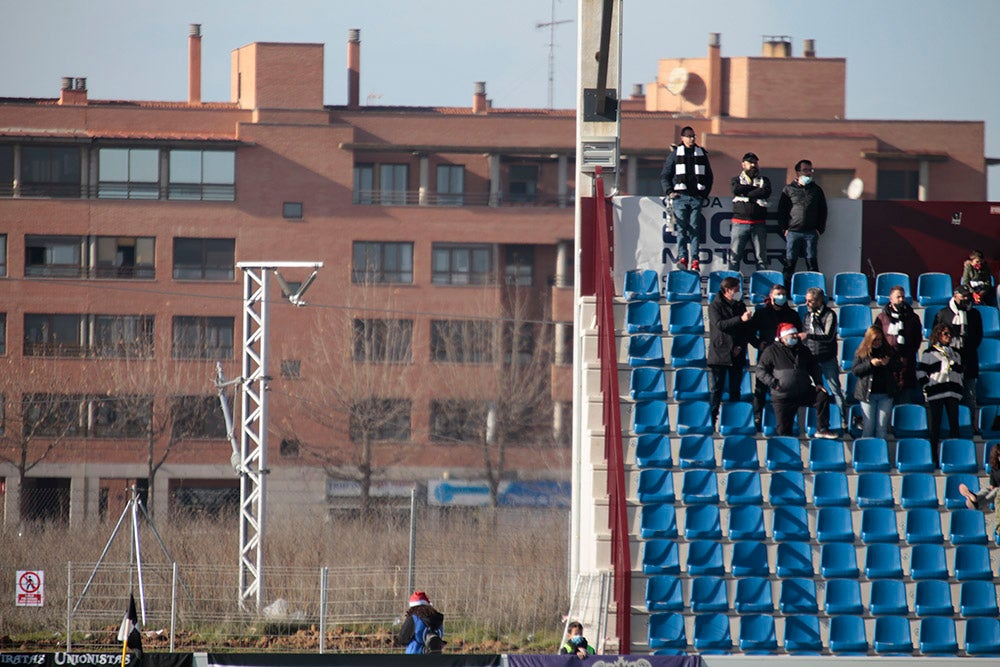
[
  {"x": 419, "y": 620},
  {"x": 728, "y": 335},
  {"x": 802, "y": 208},
  {"x": 750, "y": 198},
  {"x": 680, "y": 172},
  {"x": 979, "y": 280},
  {"x": 965, "y": 338},
  {"x": 888, "y": 379},
  {"x": 821, "y": 328},
  {"x": 903, "y": 325},
  {"x": 940, "y": 373},
  {"x": 765, "y": 321},
  {"x": 788, "y": 371}
]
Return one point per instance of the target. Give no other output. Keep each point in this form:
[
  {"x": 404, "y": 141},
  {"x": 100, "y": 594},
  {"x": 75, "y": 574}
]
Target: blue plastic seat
[
  {"x": 972, "y": 561},
  {"x": 769, "y": 424},
  {"x": 783, "y": 452},
  {"x": 849, "y": 399},
  {"x": 933, "y": 289},
  {"x": 927, "y": 561},
  {"x": 812, "y": 421},
  {"x": 694, "y": 417},
  {"x": 923, "y": 526},
  {"x": 645, "y": 350},
  {"x": 691, "y": 384},
  {"x": 696, "y": 451},
  {"x": 930, "y": 313},
  {"x": 854, "y": 319},
  {"x": 683, "y": 286},
  {"x": 982, "y": 636},
  {"x": 909, "y": 421},
  {"x": 761, "y": 283},
  {"x": 847, "y": 635},
  {"x": 989, "y": 355},
  {"x": 892, "y": 635},
  {"x": 753, "y": 596},
  {"x": 850, "y": 287},
  {"x": 991, "y": 321},
  {"x": 874, "y": 490},
  {"x": 715, "y": 279},
  {"x": 663, "y": 593},
  {"x": 884, "y": 282},
  {"x": 790, "y": 524},
  {"x": 888, "y": 598},
  {"x": 937, "y": 636},
  {"x": 686, "y": 318},
  {"x": 652, "y": 450},
  {"x": 643, "y": 317},
  {"x": 830, "y": 490},
  {"x": 933, "y": 598},
  {"x": 750, "y": 560},
  {"x": 914, "y": 454},
  {"x": 709, "y": 594},
  {"x": 642, "y": 285},
  {"x": 964, "y": 422},
  {"x": 746, "y": 522},
  {"x": 827, "y": 456},
  {"x": 647, "y": 383},
  {"x": 666, "y": 631},
  {"x": 918, "y": 489},
  {"x": 711, "y": 632},
  {"x": 883, "y": 561},
  {"x": 988, "y": 385},
  {"x": 660, "y": 556},
  {"x": 743, "y": 488},
  {"x": 702, "y": 522},
  {"x": 833, "y": 524},
  {"x": 659, "y": 520},
  {"x": 736, "y": 419},
  {"x": 989, "y": 423},
  {"x": 656, "y": 485},
  {"x": 802, "y": 634},
  {"x": 798, "y": 596},
  {"x": 705, "y": 559},
  {"x": 855, "y": 416},
  {"x": 848, "y": 346},
  {"x": 870, "y": 455},
  {"x": 757, "y": 634},
  {"x": 838, "y": 560},
  {"x": 739, "y": 452},
  {"x": 787, "y": 488},
  {"x": 650, "y": 417},
  {"x": 843, "y": 596},
  {"x": 802, "y": 281},
  {"x": 954, "y": 500},
  {"x": 978, "y": 598},
  {"x": 958, "y": 455},
  {"x": 700, "y": 487},
  {"x": 687, "y": 351},
  {"x": 967, "y": 527},
  {"x": 794, "y": 559}
]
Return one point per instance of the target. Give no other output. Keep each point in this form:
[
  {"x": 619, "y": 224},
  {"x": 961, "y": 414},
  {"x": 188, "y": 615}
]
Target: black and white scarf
[
  {"x": 680, "y": 168},
  {"x": 960, "y": 320},
  {"x": 896, "y": 323}
]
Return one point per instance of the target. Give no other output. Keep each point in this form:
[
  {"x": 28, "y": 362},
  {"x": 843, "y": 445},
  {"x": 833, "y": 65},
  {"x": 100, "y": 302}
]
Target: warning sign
[{"x": 30, "y": 588}]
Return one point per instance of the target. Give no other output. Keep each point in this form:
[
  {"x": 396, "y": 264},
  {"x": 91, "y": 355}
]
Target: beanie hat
[
  {"x": 785, "y": 329},
  {"x": 419, "y": 598}
]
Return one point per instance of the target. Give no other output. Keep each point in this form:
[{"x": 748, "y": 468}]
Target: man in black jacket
[
  {"x": 728, "y": 336},
  {"x": 966, "y": 334},
  {"x": 751, "y": 190},
  {"x": 802, "y": 218},
  {"x": 763, "y": 328},
  {"x": 686, "y": 179}
]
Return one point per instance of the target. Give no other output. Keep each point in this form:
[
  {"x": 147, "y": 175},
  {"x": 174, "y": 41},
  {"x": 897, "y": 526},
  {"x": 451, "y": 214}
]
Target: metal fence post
[
  {"x": 324, "y": 575},
  {"x": 69, "y": 606},
  {"x": 413, "y": 540},
  {"x": 173, "y": 603}
]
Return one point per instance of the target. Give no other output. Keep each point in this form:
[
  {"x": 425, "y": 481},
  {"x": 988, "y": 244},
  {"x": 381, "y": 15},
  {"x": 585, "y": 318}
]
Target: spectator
[
  {"x": 423, "y": 628},
  {"x": 750, "y": 193},
  {"x": 976, "y": 274},
  {"x": 982, "y": 499},
  {"x": 686, "y": 179},
  {"x": 879, "y": 372},
  {"x": 764, "y": 324},
  {"x": 792, "y": 374},
  {"x": 802, "y": 219},
  {"x": 940, "y": 374},
  {"x": 904, "y": 334},
  {"x": 728, "y": 335},
  {"x": 966, "y": 334},
  {"x": 576, "y": 644},
  {"x": 820, "y": 336}
]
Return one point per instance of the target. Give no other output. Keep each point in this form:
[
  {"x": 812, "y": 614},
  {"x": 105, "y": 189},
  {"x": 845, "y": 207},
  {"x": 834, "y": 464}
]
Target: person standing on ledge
[{"x": 686, "y": 179}]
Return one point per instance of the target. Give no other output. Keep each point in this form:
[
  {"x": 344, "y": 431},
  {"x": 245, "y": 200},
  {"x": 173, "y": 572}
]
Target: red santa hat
[
  {"x": 419, "y": 598},
  {"x": 785, "y": 329}
]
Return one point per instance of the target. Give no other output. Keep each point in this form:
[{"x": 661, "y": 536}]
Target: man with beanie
[
  {"x": 764, "y": 324},
  {"x": 903, "y": 333},
  {"x": 423, "y": 628},
  {"x": 794, "y": 378},
  {"x": 966, "y": 334},
  {"x": 686, "y": 179},
  {"x": 802, "y": 218},
  {"x": 751, "y": 190}
]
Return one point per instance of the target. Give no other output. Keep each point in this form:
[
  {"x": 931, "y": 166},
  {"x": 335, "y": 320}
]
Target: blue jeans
[
  {"x": 686, "y": 210},
  {"x": 740, "y": 235},
  {"x": 876, "y": 412},
  {"x": 830, "y": 370},
  {"x": 801, "y": 244}
]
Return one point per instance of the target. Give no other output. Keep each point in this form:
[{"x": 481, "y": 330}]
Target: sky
[{"x": 906, "y": 59}]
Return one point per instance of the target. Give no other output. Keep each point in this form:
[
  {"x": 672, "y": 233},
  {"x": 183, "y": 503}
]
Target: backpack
[{"x": 432, "y": 640}]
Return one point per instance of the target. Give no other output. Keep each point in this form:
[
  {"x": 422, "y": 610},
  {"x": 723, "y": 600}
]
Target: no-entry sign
[{"x": 30, "y": 588}]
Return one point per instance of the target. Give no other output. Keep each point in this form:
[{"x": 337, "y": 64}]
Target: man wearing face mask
[
  {"x": 686, "y": 179},
  {"x": 764, "y": 324},
  {"x": 802, "y": 218},
  {"x": 750, "y": 193},
  {"x": 728, "y": 335},
  {"x": 903, "y": 333},
  {"x": 794, "y": 378},
  {"x": 820, "y": 336},
  {"x": 966, "y": 334}
]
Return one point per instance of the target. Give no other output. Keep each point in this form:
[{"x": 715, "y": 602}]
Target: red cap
[
  {"x": 785, "y": 329},
  {"x": 419, "y": 598}
]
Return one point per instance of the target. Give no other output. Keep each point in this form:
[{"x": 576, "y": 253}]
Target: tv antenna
[{"x": 551, "y": 25}]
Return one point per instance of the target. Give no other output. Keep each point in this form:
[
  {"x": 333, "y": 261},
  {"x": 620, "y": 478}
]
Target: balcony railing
[{"x": 416, "y": 198}]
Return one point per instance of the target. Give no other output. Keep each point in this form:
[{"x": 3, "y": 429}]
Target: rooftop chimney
[
  {"x": 73, "y": 90},
  {"x": 777, "y": 46},
  {"x": 479, "y": 104},
  {"x": 194, "y": 63},
  {"x": 353, "y": 68},
  {"x": 809, "y": 48},
  {"x": 637, "y": 90},
  {"x": 713, "y": 86}
]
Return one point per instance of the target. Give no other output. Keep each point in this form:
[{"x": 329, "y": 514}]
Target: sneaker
[
  {"x": 682, "y": 264},
  {"x": 695, "y": 265},
  {"x": 826, "y": 434}
]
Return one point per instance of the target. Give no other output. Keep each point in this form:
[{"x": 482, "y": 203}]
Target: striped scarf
[{"x": 680, "y": 168}]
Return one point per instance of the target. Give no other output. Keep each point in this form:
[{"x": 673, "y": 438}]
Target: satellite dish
[
  {"x": 677, "y": 81},
  {"x": 855, "y": 188}
]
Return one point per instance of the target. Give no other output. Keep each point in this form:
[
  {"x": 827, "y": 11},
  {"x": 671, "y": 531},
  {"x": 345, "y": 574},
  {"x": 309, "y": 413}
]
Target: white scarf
[{"x": 960, "y": 319}]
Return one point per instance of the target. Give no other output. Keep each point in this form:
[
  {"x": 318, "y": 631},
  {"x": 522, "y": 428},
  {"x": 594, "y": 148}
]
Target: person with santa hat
[{"x": 423, "y": 626}]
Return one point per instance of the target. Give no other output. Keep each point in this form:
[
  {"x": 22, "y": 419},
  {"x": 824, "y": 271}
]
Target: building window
[
  {"x": 364, "y": 184},
  {"x": 289, "y": 448},
  {"x": 3, "y": 255},
  {"x": 204, "y": 259},
  {"x": 519, "y": 265},
  {"x": 3, "y": 415},
  {"x": 450, "y": 185},
  {"x": 647, "y": 182},
  {"x": 522, "y": 186},
  {"x": 462, "y": 264},
  {"x": 50, "y": 171},
  {"x": 125, "y": 257},
  {"x": 383, "y": 340},
  {"x": 197, "y": 417},
  {"x": 3, "y": 334},
  {"x": 834, "y": 181},
  {"x": 291, "y": 369},
  {"x": 123, "y": 336},
  {"x": 53, "y": 415},
  {"x": 128, "y": 173},
  {"x": 380, "y": 419},
  {"x": 462, "y": 341},
  {"x": 202, "y": 175},
  {"x": 382, "y": 262},
  {"x": 897, "y": 184},
  {"x": 291, "y": 210},
  {"x": 122, "y": 416},
  {"x": 54, "y": 256},
  {"x": 203, "y": 337},
  {"x": 49, "y": 335},
  {"x": 6, "y": 171},
  {"x": 458, "y": 421},
  {"x": 393, "y": 180}
]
